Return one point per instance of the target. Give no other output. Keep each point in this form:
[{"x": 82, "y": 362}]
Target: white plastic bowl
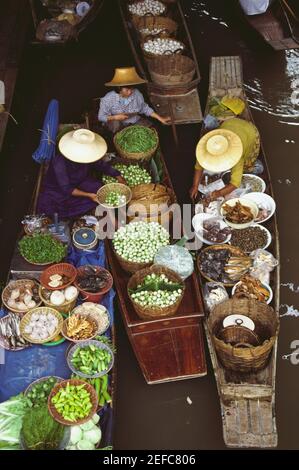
[
  {"x": 264, "y": 285},
  {"x": 269, "y": 236},
  {"x": 197, "y": 223},
  {"x": 245, "y": 202},
  {"x": 258, "y": 178},
  {"x": 264, "y": 201}
]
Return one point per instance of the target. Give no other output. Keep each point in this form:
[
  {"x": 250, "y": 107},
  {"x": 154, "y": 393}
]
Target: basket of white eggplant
[
  {"x": 162, "y": 47},
  {"x": 156, "y": 292},
  {"x": 63, "y": 300},
  {"x": 156, "y": 26},
  {"x": 142, "y": 8},
  {"x": 136, "y": 244}
]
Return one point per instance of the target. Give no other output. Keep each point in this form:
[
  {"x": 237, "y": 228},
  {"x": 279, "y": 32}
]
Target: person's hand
[
  {"x": 121, "y": 179},
  {"x": 165, "y": 120},
  {"x": 120, "y": 117},
  {"x": 215, "y": 195},
  {"x": 193, "y": 192},
  {"x": 93, "y": 197}
]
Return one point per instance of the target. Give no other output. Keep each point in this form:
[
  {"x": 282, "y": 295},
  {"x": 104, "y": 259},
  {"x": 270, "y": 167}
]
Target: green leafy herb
[
  {"x": 42, "y": 249},
  {"x": 40, "y": 431}
]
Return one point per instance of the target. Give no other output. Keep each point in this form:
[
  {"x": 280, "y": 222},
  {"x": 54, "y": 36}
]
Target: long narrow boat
[
  {"x": 247, "y": 400},
  {"x": 276, "y": 26},
  {"x": 21, "y": 269},
  {"x": 50, "y": 31},
  {"x": 167, "y": 349},
  {"x": 180, "y": 101}
]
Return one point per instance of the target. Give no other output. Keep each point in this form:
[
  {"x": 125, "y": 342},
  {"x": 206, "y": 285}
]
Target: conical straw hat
[
  {"x": 82, "y": 146},
  {"x": 126, "y": 76},
  {"x": 219, "y": 150}
]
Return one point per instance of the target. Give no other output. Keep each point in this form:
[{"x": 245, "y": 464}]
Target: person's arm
[
  {"x": 107, "y": 169},
  {"x": 148, "y": 111},
  {"x": 196, "y": 181},
  {"x": 78, "y": 193},
  {"x": 105, "y": 114},
  {"x": 235, "y": 181},
  {"x": 163, "y": 120}
]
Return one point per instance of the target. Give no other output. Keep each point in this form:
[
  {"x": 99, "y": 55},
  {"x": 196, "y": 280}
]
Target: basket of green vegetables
[
  {"x": 156, "y": 292},
  {"x": 114, "y": 195},
  {"x": 90, "y": 359},
  {"x": 136, "y": 143},
  {"x": 42, "y": 249}
]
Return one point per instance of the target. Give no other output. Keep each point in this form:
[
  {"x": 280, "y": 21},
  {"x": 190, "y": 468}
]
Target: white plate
[
  {"x": 197, "y": 223},
  {"x": 262, "y": 200},
  {"x": 269, "y": 237},
  {"x": 264, "y": 285},
  {"x": 258, "y": 178}
]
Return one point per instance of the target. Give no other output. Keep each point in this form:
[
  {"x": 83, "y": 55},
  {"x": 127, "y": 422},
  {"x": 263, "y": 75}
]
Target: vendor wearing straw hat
[
  {"x": 125, "y": 105},
  {"x": 68, "y": 188},
  {"x": 234, "y": 146}
]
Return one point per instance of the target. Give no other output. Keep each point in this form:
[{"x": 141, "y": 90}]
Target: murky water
[{"x": 160, "y": 417}]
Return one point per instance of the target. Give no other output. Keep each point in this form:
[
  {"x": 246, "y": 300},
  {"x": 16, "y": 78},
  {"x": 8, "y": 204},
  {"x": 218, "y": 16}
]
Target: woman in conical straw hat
[
  {"x": 234, "y": 146},
  {"x": 125, "y": 105},
  {"x": 68, "y": 188}
]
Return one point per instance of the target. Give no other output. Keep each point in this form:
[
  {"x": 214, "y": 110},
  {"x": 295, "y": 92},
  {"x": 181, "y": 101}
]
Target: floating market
[{"x": 110, "y": 257}]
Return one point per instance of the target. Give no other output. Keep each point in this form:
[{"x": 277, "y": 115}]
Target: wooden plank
[{"x": 231, "y": 391}]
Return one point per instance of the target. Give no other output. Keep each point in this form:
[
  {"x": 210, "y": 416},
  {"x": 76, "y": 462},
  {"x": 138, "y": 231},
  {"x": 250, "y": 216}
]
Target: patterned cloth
[{"x": 113, "y": 103}]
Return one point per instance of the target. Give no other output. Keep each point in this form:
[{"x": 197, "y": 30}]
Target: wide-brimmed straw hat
[
  {"x": 219, "y": 150},
  {"x": 126, "y": 76},
  {"x": 82, "y": 146}
]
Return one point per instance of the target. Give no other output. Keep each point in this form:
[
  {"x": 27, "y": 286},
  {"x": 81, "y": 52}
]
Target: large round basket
[
  {"x": 234, "y": 251},
  {"x": 144, "y": 209},
  {"x": 92, "y": 317},
  {"x": 176, "y": 69},
  {"x": 40, "y": 310},
  {"x": 65, "y": 308},
  {"x": 164, "y": 26},
  {"x": 96, "y": 344},
  {"x": 16, "y": 285},
  {"x": 136, "y": 157},
  {"x": 130, "y": 266},
  {"x": 119, "y": 188},
  {"x": 41, "y": 380},
  {"x": 97, "y": 296},
  {"x": 57, "y": 416},
  {"x": 151, "y": 313},
  {"x": 245, "y": 359},
  {"x": 136, "y": 18},
  {"x": 62, "y": 269},
  {"x": 166, "y": 54}
]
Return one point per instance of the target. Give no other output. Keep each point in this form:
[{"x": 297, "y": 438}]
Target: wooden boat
[
  {"x": 167, "y": 349},
  {"x": 247, "y": 400},
  {"x": 180, "y": 102},
  {"x": 21, "y": 269},
  {"x": 277, "y": 26},
  {"x": 44, "y": 14}
]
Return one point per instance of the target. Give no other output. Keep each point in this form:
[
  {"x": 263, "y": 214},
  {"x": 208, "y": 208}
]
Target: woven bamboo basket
[
  {"x": 15, "y": 285},
  {"x": 248, "y": 359},
  {"x": 41, "y": 310},
  {"x": 64, "y": 309},
  {"x": 172, "y": 70},
  {"x": 96, "y": 330},
  {"x": 167, "y": 54},
  {"x": 57, "y": 416},
  {"x": 121, "y": 189},
  {"x": 238, "y": 336},
  {"x": 136, "y": 157},
  {"x": 167, "y": 26},
  {"x": 63, "y": 269},
  {"x": 41, "y": 380},
  {"x": 129, "y": 266},
  {"x": 136, "y": 18},
  {"x": 235, "y": 252},
  {"x": 151, "y": 313},
  {"x": 150, "y": 210}
]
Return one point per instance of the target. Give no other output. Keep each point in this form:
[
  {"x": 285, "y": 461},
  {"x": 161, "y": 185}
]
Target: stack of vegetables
[
  {"x": 156, "y": 290},
  {"x": 133, "y": 174},
  {"x": 136, "y": 142}
]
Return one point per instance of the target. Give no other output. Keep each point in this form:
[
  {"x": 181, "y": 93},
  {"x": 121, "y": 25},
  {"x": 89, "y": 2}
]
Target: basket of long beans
[{"x": 136, "y": 143}]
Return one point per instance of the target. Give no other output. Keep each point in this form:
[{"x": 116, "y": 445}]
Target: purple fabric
[
  {"x": 63, "y": 176},
  {"x": 113, "y": 104}
]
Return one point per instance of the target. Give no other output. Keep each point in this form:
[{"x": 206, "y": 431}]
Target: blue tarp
[
  {"x": 47, "y": 145},
  {"x": 23, "y": 367}
]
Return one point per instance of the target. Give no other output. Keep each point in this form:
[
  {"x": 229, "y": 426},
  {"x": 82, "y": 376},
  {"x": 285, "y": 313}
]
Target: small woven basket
[
  {"x": 151, "y": 313},
  {"x": 234, "y": 251},
  {"x": 163, "y": 215},
  {"x": 238, "y": 336},
  {"x": 167, "y": 26},
  {"x": 136, "y": 157},
  {"x": 41, "y": 310},
  {"x": 172, "y": 70},
  {"x": 63, "y": 269},
  {"x": 136, "y": 18},
  {"x": 92, "y": 317},
  {"x": 119, "y": 188},
  {"x": 57, "y": 416},
  {"x": 248, "y": 359},
  {"x": 129, "y": 266},
  {"x": 16, "y": 285},
  {"x": 96, "y": 344},
  {"x": 65, "y": 308}
]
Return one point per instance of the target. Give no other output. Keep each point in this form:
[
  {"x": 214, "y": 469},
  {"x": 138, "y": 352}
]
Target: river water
[{"x": 159, "y": 417}]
